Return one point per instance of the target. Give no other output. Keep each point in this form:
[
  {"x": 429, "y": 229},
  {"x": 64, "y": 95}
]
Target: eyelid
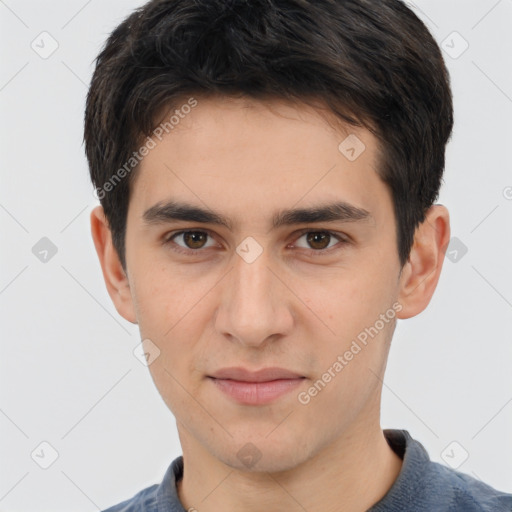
[
  {"x": 168, "y": 237},
  {"x": 342, "y": 238}
]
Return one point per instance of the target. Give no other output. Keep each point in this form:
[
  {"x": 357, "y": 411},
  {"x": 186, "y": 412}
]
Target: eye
[
  {"x": 192, "y": 241},
  {"x": 316, "y": 243},
  {"x": 320, "y": 241}
]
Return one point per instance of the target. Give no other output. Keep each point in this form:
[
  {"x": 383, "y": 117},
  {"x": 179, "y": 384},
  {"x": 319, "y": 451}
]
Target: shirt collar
[{"x": 412, "y": 453}]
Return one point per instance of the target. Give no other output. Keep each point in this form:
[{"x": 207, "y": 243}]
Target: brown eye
[
  {"x": 318, "y": 239},
  {"x": 318, "y": 243},
  {"x": 189, "y": 241},
  {"x": 194, "y": 239}
]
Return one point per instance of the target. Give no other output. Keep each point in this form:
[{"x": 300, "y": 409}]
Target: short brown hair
[{"x": 373, "y": 63}]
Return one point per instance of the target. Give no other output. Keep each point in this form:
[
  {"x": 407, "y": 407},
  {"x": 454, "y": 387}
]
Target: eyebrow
[{"x": 179, "y": 211}]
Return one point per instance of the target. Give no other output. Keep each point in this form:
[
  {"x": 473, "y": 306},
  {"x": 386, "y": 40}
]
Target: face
[{"x": 269, "y": 286}]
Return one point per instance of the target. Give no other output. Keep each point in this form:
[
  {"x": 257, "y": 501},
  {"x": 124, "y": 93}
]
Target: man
[{"x": 267, "y": 172}]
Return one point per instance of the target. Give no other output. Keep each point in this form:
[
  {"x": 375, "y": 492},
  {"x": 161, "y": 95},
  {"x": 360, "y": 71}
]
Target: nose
[{"x": 254, "y": 306}]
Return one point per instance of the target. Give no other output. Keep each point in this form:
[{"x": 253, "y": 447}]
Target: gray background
[{"x": 68, "y": 373}]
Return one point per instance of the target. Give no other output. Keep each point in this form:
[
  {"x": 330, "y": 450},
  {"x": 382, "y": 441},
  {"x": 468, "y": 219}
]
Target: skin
[{"x": 290, "y": 308}]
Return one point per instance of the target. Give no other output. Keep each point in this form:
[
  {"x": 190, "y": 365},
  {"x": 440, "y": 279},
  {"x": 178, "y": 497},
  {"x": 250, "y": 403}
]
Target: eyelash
[{"x": 343, "y": 240}]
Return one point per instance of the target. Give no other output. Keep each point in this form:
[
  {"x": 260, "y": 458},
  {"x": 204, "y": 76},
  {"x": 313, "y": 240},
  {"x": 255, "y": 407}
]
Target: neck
[{"x": 351, "y": 474}]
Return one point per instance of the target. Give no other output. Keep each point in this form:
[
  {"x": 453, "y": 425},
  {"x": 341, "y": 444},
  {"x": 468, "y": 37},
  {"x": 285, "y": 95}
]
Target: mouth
[
  {"x": 255, "y": 388},
  {"x": 264, "y": 375}
]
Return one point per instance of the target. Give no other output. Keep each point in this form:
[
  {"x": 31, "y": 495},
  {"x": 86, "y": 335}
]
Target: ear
[
  {"x": 114, "y": 275},
  {"x": 420, "y": 274}
]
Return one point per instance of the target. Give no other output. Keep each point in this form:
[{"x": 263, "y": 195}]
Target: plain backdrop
[{"x": 69, "y": 378}]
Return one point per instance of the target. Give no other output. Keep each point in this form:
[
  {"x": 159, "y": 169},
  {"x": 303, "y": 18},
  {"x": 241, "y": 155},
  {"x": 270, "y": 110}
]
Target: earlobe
[
  {"x": 116, "y": 280},
  {"x": 421, "y": 273}
]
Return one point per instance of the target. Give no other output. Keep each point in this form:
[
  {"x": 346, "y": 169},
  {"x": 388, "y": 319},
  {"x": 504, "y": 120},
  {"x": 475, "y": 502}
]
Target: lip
[
  {"x": 255, "y": 388},
  {"x": 264, "y": 375},
  {"x": 256, "y": 393}
]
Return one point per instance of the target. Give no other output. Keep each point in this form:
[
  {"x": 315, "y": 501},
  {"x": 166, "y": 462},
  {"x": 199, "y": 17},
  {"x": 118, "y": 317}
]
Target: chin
[{"x": 263, "y": 455}]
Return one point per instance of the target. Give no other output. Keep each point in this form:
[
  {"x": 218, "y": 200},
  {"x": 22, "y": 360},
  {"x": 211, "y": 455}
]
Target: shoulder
[
  {"x": 161, "y": 497},
  {"x": 458, "y": 491},
  {"x": 424, "y": 485},
  {"x": 143, "y": 501}
]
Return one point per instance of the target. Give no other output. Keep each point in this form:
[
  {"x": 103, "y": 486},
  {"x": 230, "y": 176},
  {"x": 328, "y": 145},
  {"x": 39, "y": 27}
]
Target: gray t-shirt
[{"x": 421, "y": 486}]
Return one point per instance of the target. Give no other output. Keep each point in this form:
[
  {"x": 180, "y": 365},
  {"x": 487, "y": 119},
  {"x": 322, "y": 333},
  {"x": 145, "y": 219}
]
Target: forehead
[{"x": 241, "y": 152}]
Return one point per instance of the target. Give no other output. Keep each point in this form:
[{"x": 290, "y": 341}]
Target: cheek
[
  {"x": 165, "y": 296},
  {"x": 173, "y": 318},
  {"x": 350, "y": 306},
  {"x": 174, "y": 313},
  {"x": 349, "y": 301},
  {"x": 349, "y": 371}
]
